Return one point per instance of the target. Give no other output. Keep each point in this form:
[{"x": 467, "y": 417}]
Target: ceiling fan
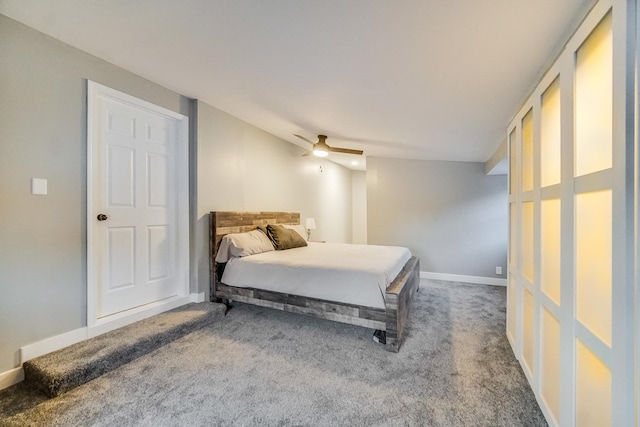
[{"x": 322, "y": 149}]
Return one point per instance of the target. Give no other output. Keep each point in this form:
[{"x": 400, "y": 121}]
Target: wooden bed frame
[{"x": 391, "y": 319}]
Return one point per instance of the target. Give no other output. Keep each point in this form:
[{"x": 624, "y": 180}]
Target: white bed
[
  {"x": 354, "y": 274},
  {"x": 369, "y": 286}
]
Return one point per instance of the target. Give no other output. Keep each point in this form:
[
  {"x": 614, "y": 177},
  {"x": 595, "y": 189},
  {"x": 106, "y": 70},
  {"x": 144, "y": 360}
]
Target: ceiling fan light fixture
[
  {"x": 320, "y": 152},
  {"x": 322, "y": 149}
]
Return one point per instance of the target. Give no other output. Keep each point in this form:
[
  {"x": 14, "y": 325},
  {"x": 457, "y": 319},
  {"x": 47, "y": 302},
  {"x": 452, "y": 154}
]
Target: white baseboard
[
  {"x": 11, "y": 377},
  {"x": 464, "y": 279},
  {"x": 48, "y": 345},
  {"x": 197, "y": 297}
]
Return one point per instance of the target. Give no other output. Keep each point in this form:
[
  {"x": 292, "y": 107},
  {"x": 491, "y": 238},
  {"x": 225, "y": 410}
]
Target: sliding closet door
[{"x": 569, "y": 263}]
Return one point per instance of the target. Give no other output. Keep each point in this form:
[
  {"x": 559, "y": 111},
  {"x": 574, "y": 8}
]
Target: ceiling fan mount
[{"x": 322, "y": 149}]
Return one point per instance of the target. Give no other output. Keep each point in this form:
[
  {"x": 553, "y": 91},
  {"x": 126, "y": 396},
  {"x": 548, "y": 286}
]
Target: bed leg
[
  {"x": 380, "y": 336},
  {"x": 227, "y": 303}
]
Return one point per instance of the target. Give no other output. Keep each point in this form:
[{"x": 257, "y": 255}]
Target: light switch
[{"x": 39, "y": 186}]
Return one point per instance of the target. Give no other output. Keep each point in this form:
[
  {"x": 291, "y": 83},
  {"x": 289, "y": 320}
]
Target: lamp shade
[{"x": 310, "y": 224}]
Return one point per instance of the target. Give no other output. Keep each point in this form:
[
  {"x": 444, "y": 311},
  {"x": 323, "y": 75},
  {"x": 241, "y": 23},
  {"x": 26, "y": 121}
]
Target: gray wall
[
  {"x": 243, "y": 168},
  {"x": 450, "y": 214},
  {"x": 43, "y": 135}
]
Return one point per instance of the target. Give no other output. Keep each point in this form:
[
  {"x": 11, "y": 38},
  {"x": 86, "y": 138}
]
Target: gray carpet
[
  {"x": 264, "y": 367},
  {"x": 58, "y": 372}
]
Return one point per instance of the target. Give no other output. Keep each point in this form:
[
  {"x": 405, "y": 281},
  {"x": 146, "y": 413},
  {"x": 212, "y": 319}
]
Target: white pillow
[
  {"x": 243, "y": 244},
  {"x": 299, "y": 228}
]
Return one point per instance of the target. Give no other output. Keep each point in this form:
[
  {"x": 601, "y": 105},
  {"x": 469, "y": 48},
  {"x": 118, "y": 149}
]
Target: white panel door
[{"x": 135, "y": 202}]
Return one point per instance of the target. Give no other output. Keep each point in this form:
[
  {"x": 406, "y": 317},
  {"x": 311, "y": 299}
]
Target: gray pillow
[{"x": 243, "y": 244}]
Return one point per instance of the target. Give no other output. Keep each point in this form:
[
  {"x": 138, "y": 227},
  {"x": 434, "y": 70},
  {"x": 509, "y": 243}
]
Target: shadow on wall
[{"x": 201, "y": 280}]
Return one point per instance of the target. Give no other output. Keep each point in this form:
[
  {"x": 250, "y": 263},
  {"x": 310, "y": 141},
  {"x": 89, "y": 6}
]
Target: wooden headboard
[{"x": 226, "y": 222}]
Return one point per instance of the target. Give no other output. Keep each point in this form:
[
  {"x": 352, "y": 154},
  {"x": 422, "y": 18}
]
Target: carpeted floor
[
  {"x": 264, "y": 367},
  {"x": 63, "y": 370}
]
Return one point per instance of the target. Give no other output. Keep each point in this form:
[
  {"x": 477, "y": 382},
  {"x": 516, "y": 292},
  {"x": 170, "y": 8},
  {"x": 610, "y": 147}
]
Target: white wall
[
  {"x": 450, "y": 214},
  {"x": 359, "y": 207},
  {"x": 241, "y": 168}
]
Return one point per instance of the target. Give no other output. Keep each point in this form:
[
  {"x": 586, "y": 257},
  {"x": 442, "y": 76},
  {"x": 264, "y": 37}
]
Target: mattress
[{"x": 346, "y": 273}]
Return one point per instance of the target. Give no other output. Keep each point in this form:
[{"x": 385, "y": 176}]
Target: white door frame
[{"x": 96, "y": 326}]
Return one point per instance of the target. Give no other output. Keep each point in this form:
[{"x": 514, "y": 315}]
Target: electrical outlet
[{"x": 498, "y": 270}]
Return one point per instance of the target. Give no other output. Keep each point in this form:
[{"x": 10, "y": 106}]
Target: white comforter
[{"x": 356, "y": 274}]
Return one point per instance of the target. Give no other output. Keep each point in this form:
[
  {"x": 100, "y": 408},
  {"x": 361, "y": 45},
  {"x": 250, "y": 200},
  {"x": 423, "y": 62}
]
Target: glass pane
[
  {"x": 594, "y": 101},
  {"x": 550, "y": 135},
  {"x": 550, "y": 249},
  {"x": 527, "y": 152},
  {"x": 513, "y": 229},
  {"x": 593, "y": 262},
  {"x": 513, "y": 306},
  {"x": 550, "y": 368},
  {"x": 527, "y": 240},
  {"x": 527, "y": 330},
  {"x": 593, "y": 389}
]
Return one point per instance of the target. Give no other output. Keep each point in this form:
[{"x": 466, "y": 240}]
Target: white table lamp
[{"x": 310, "y": 224}]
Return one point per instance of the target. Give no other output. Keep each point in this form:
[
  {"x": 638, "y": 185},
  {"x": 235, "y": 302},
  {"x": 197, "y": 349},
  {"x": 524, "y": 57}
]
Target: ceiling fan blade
[
  {"x": 303, "y": 138},
  {"x": 345, "y": 150},
  {"x": 308, "y": 153}
]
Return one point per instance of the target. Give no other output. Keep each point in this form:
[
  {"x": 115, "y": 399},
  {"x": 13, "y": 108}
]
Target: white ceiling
[{"x": 424, "y": 79}]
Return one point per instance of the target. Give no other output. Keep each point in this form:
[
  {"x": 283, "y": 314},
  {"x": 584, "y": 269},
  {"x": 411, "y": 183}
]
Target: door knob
[{"x": 102, "y": 217}]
